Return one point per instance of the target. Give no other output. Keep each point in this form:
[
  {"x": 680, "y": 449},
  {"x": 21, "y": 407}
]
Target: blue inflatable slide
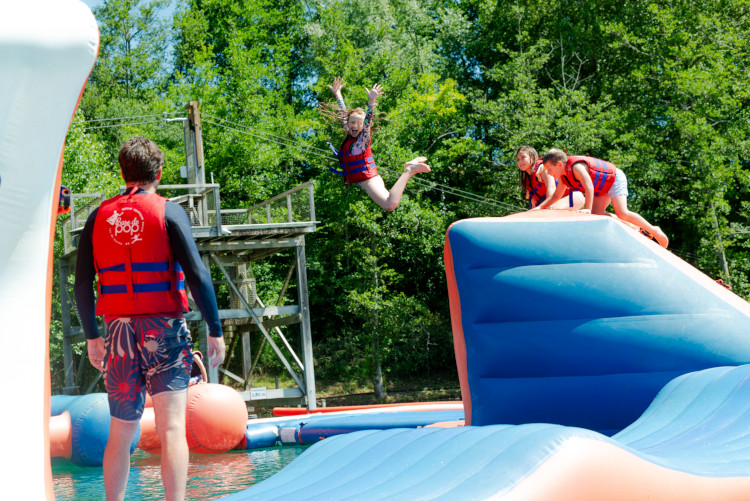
[{"x": 594, "y": 365}]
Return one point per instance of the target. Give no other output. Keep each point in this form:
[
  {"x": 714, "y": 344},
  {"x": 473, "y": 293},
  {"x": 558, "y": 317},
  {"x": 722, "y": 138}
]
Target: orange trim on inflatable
[
  {"x": 459, "y": 344},
  {"x": 60, "y": 436},
  {"x": 446, "y": 424},
  {"x": 298, "y": 411},
  {"x": 48, "y": 484},
  {"x": 590, "y": 470}
]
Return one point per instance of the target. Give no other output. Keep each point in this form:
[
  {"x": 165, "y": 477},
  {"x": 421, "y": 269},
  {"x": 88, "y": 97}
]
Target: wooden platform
[{"x": 229, "y": 240}]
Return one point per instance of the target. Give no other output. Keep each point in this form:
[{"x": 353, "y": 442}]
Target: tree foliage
[{"x": 658, "y": 88}]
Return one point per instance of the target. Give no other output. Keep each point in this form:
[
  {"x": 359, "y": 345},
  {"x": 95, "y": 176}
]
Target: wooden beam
[{"x": 268, "y": 311}]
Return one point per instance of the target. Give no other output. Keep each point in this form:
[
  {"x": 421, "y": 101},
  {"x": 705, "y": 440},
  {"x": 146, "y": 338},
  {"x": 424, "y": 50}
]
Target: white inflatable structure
[{"x": 47, "y": 50}]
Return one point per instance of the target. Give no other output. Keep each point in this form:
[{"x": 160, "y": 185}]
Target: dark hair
[
  {"x": 524, "y": 178},
  {"x": 555, "y": 155},
  {"x": 140, "y": 160}
]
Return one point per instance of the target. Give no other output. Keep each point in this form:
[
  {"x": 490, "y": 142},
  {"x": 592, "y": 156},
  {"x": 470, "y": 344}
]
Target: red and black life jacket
[
  {"x": 134, "y": 262},
  {"x": 354, "y": 168},
  {"x": 602, "y": 174}
]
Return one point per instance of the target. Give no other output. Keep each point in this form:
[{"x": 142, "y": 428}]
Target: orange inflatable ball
[
  {"x": 149, "y": 440},
  {"x": 216, "y": 418}
]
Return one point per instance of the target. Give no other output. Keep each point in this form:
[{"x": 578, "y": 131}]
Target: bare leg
[
  {"x": 564, "y": 202},
  {"x": 389, "y": 200},
  {"x": 116, "y": 463},
  {"x": 169, "y": 412},
  {"x": 620, "y": 204},
  {"x": 600, "y": 205}
]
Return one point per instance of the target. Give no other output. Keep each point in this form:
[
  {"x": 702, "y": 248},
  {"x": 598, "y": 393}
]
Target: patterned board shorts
[{"x": 151, "y": 353}]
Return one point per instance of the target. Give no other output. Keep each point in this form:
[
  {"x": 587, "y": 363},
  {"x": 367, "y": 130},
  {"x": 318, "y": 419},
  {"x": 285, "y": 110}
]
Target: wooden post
[
  {"x": 213, "y": 374},
  {"x": 305, "y": 326},
  {"x": 194, "y": 145},
  {"x": 194, "y": 162},
  {"x": 249, "y": 295},
  {"x": 65, "y": 303}
]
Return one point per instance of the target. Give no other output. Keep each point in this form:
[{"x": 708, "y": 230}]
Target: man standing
[{"x": 139, "y": 244}]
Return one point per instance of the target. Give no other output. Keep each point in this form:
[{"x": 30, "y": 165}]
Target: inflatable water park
[{"x": 593, "y": 364}]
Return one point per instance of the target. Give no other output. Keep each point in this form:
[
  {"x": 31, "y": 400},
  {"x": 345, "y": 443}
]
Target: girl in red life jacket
[
  {"x": 602, "y": 183},
  {"x": 537, "y": 184},
  {"x": 355, "y": 154}
]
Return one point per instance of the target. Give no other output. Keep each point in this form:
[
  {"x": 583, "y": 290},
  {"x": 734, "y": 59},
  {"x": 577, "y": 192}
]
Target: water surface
[{"x": 209, "y": 475}]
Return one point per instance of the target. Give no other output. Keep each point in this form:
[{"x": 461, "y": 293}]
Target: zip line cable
[
  {"x": 284, "y": 141},
  {"x": 128, "y": 118},
  {"x": 268, "y": 134},
  {"x": 324, "y": 153},
  {"x": 117, "y": 125}
]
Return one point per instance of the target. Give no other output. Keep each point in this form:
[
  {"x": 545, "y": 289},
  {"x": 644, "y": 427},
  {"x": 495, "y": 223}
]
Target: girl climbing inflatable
[
  {"x": 536, "y": 183},
  {"x": 355, "y": 154}
]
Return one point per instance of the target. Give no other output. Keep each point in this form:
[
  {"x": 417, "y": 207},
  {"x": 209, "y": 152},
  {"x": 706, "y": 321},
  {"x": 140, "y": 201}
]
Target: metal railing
[
  {"x": 202, "y": 204},
  {"x": 81, "y": 206},
  {"x": 293, "y": 206}
]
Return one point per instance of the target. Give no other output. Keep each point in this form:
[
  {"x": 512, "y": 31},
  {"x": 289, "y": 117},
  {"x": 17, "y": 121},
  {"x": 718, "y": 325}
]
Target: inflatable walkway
[
  {"x": 564, "y": 319},
  {"x": 691, "y": 444}
]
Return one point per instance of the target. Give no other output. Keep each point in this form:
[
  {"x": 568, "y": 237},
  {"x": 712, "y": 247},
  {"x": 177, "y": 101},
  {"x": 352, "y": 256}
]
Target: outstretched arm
[
  {"x": 372, "y": 96},
  {"x": 338, "y": 84},
  {"x": 551, "y": 199}
]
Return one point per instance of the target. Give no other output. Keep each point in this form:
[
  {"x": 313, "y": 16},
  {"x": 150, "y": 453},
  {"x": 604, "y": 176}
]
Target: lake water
[{"x": 209, "y": 476}]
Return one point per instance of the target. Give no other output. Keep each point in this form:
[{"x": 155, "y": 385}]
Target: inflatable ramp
[
  {"x": 574, "y": 319},
  {"x": 690, "y": 445},
  {"x": 568, "y": 319}
]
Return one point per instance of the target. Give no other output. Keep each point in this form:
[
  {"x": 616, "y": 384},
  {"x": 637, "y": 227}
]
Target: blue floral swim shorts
[{"x": 144, "y": 353}]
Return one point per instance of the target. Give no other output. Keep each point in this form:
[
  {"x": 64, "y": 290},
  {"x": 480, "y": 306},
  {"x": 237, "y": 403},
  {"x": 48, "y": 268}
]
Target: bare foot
[
  {"x": 660, "y": 237},
  {"x": 416, "y": 166}
]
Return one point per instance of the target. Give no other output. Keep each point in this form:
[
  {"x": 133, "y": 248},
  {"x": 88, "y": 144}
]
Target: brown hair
[
  {"x": 555, "y": 155},
  {"x": 524, "y": 178},
  {"x": 333, "y": 114},
  {"x": 140, "y": 160}
]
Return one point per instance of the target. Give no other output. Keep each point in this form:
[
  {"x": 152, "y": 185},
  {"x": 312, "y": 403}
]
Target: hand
[
  {"x": 372, "y": 95},
  {"x": 584, "y": 211},
  {"x": 216, "y": 351},
  {"x": 338, "y": 84},
  {"x": 97, "y": 352}
]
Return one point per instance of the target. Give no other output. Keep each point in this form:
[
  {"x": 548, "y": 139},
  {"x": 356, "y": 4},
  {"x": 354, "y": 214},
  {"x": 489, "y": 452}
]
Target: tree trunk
[{"x": 377, "y": 377}]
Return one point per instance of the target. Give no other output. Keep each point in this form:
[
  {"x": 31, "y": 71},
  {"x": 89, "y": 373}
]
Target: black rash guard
[{"x": 185, "y": 252}]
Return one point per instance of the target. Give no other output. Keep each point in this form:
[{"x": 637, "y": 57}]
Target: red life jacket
[
  {"x": 355, "y": 168},
  {"x": 538, "y": 190},
  {"x": 137, "y": 271},
  {"x": 602, "y": 174}
]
